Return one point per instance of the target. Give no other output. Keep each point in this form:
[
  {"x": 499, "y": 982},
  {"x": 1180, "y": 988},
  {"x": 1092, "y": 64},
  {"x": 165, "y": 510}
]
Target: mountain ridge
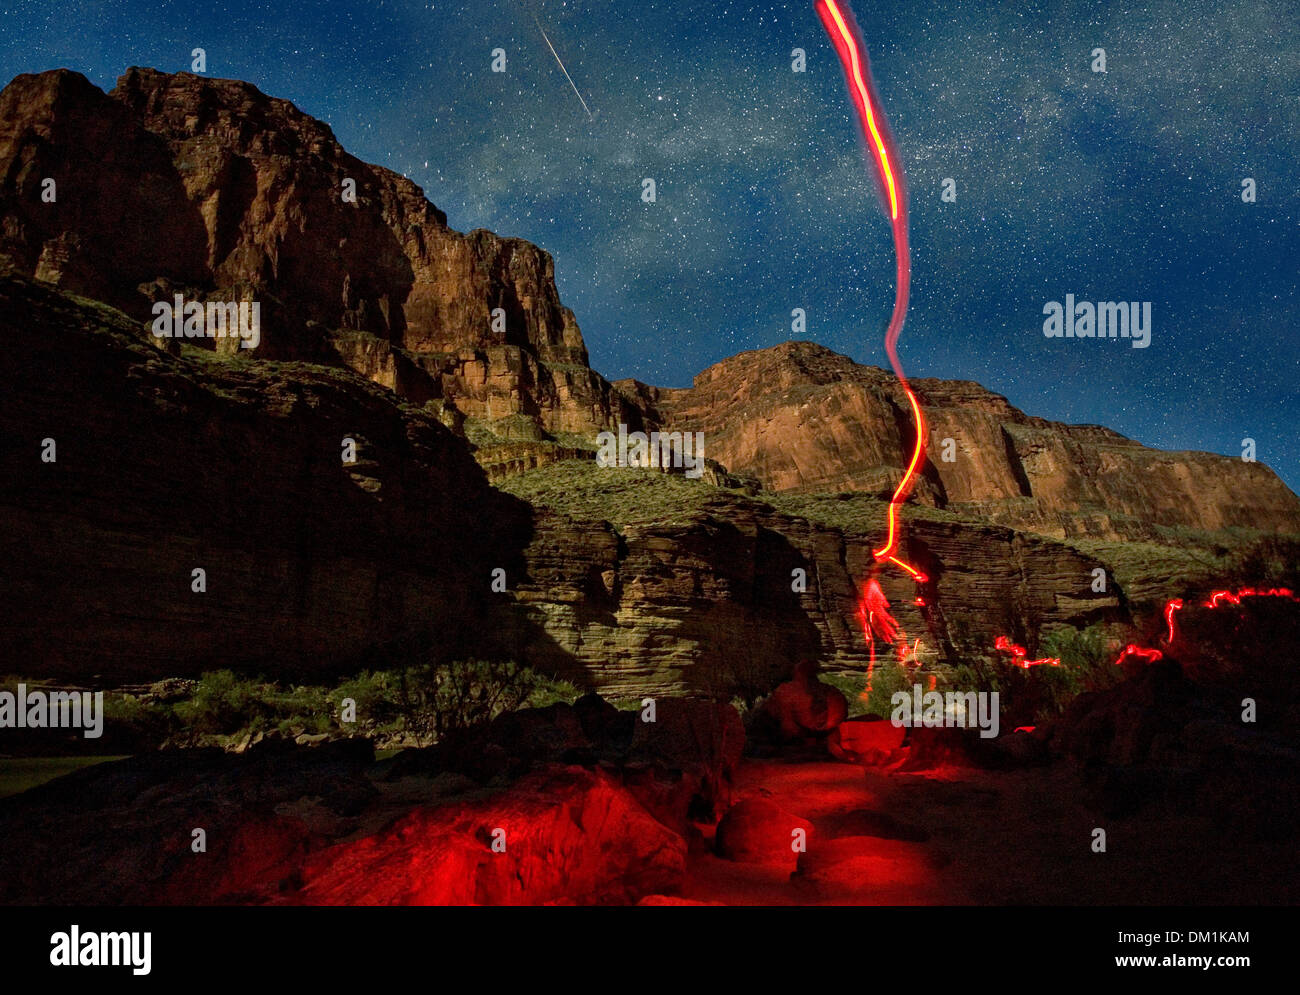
[{"x": 179, "y": 183}]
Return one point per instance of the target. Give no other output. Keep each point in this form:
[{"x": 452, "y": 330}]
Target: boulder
[
  {"x": 853, "y": 863},
  {"x": 757, "y": 831},
  {"x": 803, "y": 707},
  {"x": 868, "y": 739}
]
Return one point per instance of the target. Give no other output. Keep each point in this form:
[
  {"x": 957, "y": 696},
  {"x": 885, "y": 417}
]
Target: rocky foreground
[{"x": 589, "y": 805}]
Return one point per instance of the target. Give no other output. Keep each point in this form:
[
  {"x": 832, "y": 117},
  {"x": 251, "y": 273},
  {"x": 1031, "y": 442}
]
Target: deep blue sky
[{"x": 1123, "y": 186}]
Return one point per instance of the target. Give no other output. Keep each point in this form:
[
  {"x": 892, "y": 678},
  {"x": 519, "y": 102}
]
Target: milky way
[{"x": 1121, "y": 185}]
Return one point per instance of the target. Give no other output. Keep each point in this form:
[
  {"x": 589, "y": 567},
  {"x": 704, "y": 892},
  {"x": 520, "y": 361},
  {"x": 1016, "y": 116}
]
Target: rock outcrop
[
  {"x": 568, "y": 836},
  {"x": 800, "y": 417},
  {"x": 182, "y": 184},
  {"x": 706, "y": 601}
]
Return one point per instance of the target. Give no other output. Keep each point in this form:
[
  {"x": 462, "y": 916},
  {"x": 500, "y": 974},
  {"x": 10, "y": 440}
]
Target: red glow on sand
[{"x": 1018, "y": 653}]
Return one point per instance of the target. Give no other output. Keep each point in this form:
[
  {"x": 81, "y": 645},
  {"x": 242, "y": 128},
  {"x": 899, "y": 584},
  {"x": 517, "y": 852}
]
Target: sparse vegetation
[
  {"x": 887, "y": 678},
  {"x": 436, "y": 701},
  {"x": 627, "y": 496},
  {"x": 418, "y": 703},
  {"x": 18, "y": 774},
  {"x": 630, "y": 496},
  {"x": 1028, "y": 696}
]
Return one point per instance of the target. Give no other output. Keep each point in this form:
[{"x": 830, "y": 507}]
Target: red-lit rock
[
  {"x": 246, "y": 864},
  {"x": 757, "y": 831},
  {"x": 803, "y": 706},
  {"x": 572, "y": 836},
  {"x": 865, "y": 740},
  {"x": 857, "y": 863}
]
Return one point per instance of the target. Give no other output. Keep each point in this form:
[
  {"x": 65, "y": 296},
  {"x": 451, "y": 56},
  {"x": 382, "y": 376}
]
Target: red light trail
[
  {"x": 853, "y": 57},
  {"x": 1173, "y": 606},
  {"x": 1018, "y": 653},
  {"x": 873, "y": 609},
  {"x": 1146, "y": 655},
  {"x": 1217, "y": 599}
]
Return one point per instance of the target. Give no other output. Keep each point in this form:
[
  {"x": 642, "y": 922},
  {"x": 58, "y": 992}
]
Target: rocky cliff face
[
  {"x": 174, "y": 183},
  {"x": 205, "y": 187},
  {"x": 130, "y": 469},
  {"x": 159, "y": 465},
  {"x": 707, "y": 603},
  {"x": 802, "y": 418}
]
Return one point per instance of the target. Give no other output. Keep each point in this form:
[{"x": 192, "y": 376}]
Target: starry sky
[{"x": 1119, "y": 186}]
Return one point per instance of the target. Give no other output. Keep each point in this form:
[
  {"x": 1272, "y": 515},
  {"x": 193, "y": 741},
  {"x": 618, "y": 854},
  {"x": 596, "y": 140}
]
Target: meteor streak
[{"x": 561, "y": 65}]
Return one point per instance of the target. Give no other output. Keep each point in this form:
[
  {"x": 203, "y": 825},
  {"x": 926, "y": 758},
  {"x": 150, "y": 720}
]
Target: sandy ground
[{"x": 986, "y": 838}]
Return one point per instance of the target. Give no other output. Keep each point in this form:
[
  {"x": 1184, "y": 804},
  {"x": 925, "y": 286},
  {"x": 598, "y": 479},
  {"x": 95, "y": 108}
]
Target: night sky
[{"x": 1123, "y": 186}]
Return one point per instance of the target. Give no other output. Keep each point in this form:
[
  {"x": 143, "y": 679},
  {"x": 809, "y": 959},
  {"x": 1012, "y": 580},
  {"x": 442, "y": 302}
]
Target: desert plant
[
  {"x": 224, "y": 703},
  {"x": 438, "y": 700}
]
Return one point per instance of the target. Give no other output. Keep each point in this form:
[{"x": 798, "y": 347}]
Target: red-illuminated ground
[
  {"x": 995, "y": 837},
  {"x": 596, "y": 806}
]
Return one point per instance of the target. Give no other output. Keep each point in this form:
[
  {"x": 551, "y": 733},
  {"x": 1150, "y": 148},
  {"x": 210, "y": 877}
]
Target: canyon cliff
[
  {"x": 799, "y": 417},
  {"x": 377, "y": 326},
  {"x": 133, "y": 469},
  {"x": 175, "y": 183}
]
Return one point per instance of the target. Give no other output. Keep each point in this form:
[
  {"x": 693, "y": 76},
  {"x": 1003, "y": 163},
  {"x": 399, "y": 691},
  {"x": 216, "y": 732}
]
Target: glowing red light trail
[
  {"x": 853, "y": 56},
  {"x": 1216, "y": 600},
  {"x": 1018, "y": 653},
  {"x": 1173, "y": 606}
]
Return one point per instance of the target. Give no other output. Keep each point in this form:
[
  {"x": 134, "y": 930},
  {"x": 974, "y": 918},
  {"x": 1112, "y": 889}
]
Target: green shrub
[
  {"x": 887, "y": 678},
  {"x": 224, "y": 704},
  {"x": 440, "y": 700},
  {"x": 375, "y": 695},
  {"x": 552, "y": 691}
]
